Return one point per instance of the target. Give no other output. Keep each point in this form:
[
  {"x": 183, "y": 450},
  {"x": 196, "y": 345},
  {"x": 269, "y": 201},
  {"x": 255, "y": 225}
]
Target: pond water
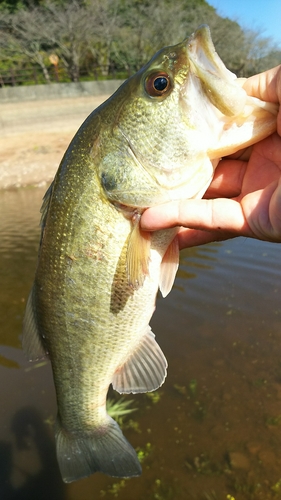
[{"x": 212, "y": 431}]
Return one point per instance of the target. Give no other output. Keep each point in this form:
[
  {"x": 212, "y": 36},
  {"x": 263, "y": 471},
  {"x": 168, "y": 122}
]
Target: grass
[{"x": 120, "y": 408}]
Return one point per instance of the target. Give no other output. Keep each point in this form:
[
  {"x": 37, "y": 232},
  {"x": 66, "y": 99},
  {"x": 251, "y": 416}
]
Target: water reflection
[
  {"x": 214, "y": 428},
  {"x": 28, "y": 465},
  {"x": 19, "y": 230}
]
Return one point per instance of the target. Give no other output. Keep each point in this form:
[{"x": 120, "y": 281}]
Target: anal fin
[
  {"x": 32, "y": 341},
  {"x": 169, "y": 267},
  {"x": 144, "y": 371}
]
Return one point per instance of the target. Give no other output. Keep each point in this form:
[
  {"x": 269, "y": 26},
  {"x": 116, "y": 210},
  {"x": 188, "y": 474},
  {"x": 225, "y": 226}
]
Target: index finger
[{"x": 266, "y": 86}]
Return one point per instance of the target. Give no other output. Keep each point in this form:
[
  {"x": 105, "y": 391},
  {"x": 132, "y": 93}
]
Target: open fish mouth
[{"x": 219, "y": 84}]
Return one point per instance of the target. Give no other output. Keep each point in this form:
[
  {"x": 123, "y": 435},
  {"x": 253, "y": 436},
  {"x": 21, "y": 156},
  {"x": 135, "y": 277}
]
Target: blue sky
[{"x": 261, "y": 15}]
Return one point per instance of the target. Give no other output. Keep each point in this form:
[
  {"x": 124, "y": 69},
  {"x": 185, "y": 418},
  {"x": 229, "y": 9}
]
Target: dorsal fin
[
  {"x": 45, "y": 205},
  {"x": 32, "y": 342}
]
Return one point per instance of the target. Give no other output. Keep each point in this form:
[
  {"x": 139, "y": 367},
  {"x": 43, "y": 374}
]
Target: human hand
[{"x": 244, "y": 198}]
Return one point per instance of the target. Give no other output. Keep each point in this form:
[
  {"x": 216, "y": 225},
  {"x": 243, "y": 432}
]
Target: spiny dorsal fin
[
  {"x": 45, "y": 205},
  {"x": 32, "y": 341},
  {"x": 169, "y": 267},
  {"x": 145, "y": 370},
  {"x": 138, "y": 253}
]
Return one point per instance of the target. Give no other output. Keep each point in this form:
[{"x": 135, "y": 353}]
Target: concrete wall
[{"x": 58, "y": 90}]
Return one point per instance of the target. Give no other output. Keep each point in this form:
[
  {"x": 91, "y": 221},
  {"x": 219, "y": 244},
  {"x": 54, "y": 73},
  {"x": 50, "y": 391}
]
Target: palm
[
  {"x": 260, "y": 189},
  {"x": 243, "y": 199}
]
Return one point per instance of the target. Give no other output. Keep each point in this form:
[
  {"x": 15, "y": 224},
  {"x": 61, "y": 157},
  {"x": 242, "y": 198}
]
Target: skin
[{"x": 244, "y": 198}]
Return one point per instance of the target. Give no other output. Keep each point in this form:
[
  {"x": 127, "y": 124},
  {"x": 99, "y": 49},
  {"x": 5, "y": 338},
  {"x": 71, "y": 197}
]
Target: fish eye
[{"x": 157, "y": 84}]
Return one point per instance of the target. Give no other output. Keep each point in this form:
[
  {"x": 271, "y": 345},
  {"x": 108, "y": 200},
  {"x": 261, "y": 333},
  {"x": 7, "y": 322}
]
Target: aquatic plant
[
  {"x": 50, "y": 420},
  {"x": 203, "y": 464},
  {"x": 164, "y": 491},
  {"x": 154, "y": 396},
  {"x": 260, "y": 382},
  {"x": 273, "y": 421},
  {"x": 181, "y": 389},
  {"x": 246, "y": 487},
  {"x": 277, "y": 487},
  {"x": 193, "y": 386},
  {"x": 143, "y": 453},
  {"x": 114, "y": 488},
  {"x": 120, "y": 408},
  {"x": 131, "y": 424}
]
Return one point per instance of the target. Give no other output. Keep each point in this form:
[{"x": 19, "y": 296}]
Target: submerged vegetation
[
  {"x": 57, "y": 40},
  {"x": 120, "y": 408}
]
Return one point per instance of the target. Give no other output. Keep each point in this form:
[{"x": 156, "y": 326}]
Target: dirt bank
[{"x": 34, "y": 136}]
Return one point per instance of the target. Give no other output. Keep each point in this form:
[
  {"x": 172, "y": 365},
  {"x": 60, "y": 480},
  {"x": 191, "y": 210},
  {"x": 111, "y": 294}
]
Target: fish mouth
[
  {"x": 202, "y": 52},
  {"x": 217, "y": 82}
]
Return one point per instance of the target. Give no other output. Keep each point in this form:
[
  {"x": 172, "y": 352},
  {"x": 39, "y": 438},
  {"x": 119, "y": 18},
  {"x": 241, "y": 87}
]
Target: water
[{"x": 214, "y": 427}]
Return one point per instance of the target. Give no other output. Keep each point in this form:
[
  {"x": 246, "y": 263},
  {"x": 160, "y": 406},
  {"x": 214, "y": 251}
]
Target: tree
[
  {"x": 21, "y": 34},
  {"x": 121, "y": 34},
  {"x": 106, "y": 19},
  {"x": 263, "y": 54},
  {"x": 66, "y": 28}
]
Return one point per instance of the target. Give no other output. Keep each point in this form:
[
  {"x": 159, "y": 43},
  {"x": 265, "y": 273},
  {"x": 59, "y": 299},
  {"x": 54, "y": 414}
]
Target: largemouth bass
[{"x": 158, "y": 138}]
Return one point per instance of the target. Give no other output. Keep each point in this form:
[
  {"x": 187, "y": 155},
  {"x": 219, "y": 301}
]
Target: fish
[{"x": 158, "y": 138}]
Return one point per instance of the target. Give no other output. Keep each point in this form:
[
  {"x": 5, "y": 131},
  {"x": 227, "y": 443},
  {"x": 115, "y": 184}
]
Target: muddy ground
[{"x": 34, "y": 136}]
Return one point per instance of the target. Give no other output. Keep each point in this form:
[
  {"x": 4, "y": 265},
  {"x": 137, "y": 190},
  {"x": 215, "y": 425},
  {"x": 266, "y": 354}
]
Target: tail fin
[{"x": 106, "y": 450}]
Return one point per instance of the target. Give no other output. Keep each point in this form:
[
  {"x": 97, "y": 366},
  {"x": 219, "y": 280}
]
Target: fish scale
[{"x": 158, "y": 138}]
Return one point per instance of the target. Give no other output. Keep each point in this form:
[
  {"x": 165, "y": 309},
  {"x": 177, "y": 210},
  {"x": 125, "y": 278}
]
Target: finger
[
  {"x": 262, "y": 210},
  {"x": 275, "y": 212},
  {"x": 228, "y": 179},
  {"x": 266, "y": 85},
  {"x": 220, "y": 215},
  {"x": 194, "y": 237},
  {"x": 242, "y": 154}
]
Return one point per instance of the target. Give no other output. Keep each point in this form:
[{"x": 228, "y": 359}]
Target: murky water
[{"x": 212, "y": 432}]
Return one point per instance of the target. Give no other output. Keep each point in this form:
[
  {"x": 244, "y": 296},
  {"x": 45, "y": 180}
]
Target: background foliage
[{"x": 60, "y": 40}]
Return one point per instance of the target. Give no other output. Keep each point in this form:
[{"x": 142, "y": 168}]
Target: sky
[{"x": 260, "y": 15}]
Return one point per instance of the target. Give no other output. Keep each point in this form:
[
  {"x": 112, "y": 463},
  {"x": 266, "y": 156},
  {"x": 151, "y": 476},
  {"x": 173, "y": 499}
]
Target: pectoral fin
[
  {"x": 169, "y": 267},
  {"x": 138, "y": 253},
  {"x": 32, "y": 341},
  {"x": 144, "y": 371}
]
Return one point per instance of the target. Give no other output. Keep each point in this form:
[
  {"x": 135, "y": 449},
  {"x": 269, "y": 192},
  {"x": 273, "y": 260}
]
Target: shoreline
[{"x": 34, "y": 136}]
